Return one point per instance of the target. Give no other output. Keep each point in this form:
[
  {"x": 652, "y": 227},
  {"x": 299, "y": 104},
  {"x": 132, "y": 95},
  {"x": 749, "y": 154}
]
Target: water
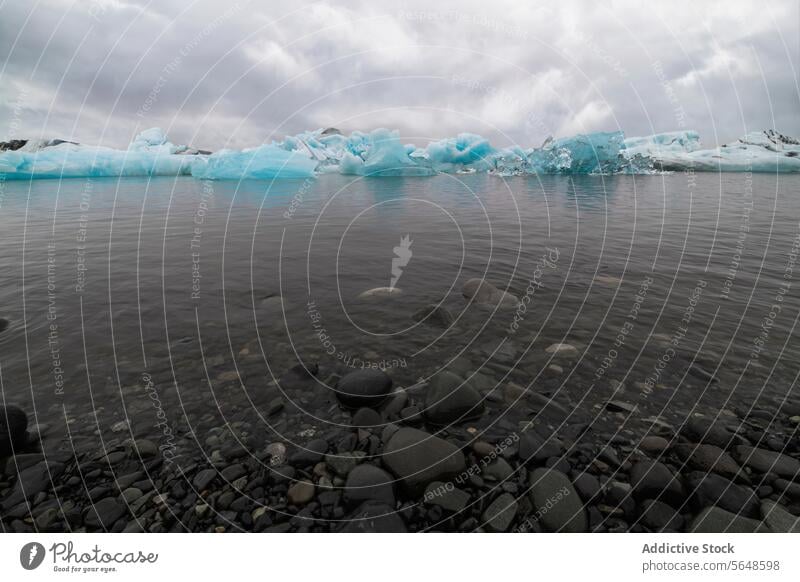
[{"x": 147, "y": 300}]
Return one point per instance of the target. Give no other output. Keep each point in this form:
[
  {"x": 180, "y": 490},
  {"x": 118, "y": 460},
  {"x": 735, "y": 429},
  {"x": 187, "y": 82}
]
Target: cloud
[{"x": 247, "y": 72}]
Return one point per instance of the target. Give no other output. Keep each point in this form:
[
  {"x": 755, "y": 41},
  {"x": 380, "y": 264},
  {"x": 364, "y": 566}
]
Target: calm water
[{"x": 125, "y": 293}]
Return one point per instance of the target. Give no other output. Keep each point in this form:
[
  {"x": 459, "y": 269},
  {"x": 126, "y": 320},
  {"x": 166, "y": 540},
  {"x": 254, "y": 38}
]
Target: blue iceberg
[
  {"x": 263, "y": 162},
  {"x": 382, "y": 153}
]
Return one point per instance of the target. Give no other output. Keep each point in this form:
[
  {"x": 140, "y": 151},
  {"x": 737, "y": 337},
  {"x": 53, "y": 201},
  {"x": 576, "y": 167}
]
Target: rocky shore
[{"x": 356, "y": 451}]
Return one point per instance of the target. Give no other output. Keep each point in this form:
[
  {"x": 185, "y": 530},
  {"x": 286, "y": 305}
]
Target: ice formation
[{"x": 382, "y": 153}]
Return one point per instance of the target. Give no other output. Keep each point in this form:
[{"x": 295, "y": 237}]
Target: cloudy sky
[{"x": 239, "y": 72}]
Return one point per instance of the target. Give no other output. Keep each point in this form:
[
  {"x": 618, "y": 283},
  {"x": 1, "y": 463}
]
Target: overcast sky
[{"x": 235, "y": 73}]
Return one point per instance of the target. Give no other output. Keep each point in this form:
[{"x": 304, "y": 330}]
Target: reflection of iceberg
[{"x": 381, "y": 153}]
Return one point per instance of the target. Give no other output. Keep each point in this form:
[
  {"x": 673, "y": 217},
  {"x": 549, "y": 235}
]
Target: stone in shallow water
[
  {"x": 556, "y": 504},
  {"x": 499, "y": 515},
  {"x": 717, "y": 520},
  {"x": 381, "y": 292},
  {"x": 763, "y": 461},
  {"x": 369, "y": 483},
  {"x": 363, "y": 388},
  {"x": 561, "y": 349},
  {"x": 417, "y": 458},
  {"x": 299, "y": 377},
  {"x": 13, "y": 424},
  {"x": 484, "y": 293},
  {"x": 450, "y": 399},
  {"x": 435, "y": 315}
]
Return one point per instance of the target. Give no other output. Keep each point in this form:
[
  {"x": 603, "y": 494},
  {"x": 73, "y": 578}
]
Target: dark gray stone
[
  {"x": 417, "y": 458},
  {"x": 500, "y": 513},
  {"x": 657, "y": 516},
  {"x": 13, "y": 427},
  {"x": 104, "y": 513},
  {"x": 763, "y": 461},
  {"x": 204, "y": 478},
  {"x": 653, "y": 480},
  {"x": 717, "y": 520},
  {"x": 363, "y": 388},
  {"x": 707, "y": 489},
  {"x": 366, "y": 418},
  {"x": 435, "y": 315},
  {"x": 447, "y": 496},
  {"x": 450, "y": 399},
  {"x": 778, "y": 519},
  {"x": 369, "y": 483},
  {"x": 556, "y": 503},
  {"x": 373, "y": 517}
]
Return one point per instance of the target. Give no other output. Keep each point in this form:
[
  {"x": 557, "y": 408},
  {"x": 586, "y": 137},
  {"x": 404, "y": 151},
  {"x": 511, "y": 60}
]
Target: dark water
[{"x": 141, "y": 300}]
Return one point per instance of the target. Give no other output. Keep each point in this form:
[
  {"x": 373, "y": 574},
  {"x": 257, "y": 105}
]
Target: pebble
[
  {"x": 435, "y": 315},
  {"x": 556, "y": 501},
  {"x": 778, "y": 519},
  {"x": 450, "y": 399},
  {"x": 204, "y": 478},
  {"x": 653, "y": 480},
  {"x": 709, "y": 459},
  {"x": 13, "y": 427},
  {"x": 500, "y": 514},
  {"x": 363, "y": 388},
  {"x": 763, "y": 461},
  {"x": 300, "y": 493},
  {"x": 446, "y": 496},
  {"x": 708, "y": 489},
  {"x": 104, "y": 513},
  {"x": 657, "y": 516},
  {"x": 717, "y": 520},
  {"x": 343, "y": 463},
  {"x": 482, "y": 292},
  {"x": 417, "y": 458},
  {"x": 373, "y": 517},
  {"x": 369, "y": 483},
  {"x": 561, "y": 349}
]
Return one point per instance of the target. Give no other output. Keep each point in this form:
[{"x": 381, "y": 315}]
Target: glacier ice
[
  {"x": 266, "y": 161},
  {"x": 382, "y": 153}
]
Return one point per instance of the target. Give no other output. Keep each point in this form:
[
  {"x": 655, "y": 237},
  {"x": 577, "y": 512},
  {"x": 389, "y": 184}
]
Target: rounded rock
[{"x": 363, "y": 388}]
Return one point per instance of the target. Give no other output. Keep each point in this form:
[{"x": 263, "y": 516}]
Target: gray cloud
[{"x": 239, "y": 73}]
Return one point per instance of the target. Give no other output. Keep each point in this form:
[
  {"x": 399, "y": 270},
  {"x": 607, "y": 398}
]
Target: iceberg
[
  {"x": 263, "y": 162},
  {"x": 761, "y": 151},
  {"x": 382, "y": 153},
  {"x": 150, "y": 154}
]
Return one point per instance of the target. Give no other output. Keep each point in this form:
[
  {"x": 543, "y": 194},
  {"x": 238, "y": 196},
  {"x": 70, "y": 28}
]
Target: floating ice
[
  {"x": 150, "y": 154},
  {"x": 761, "y": 151},
  {"x": 382, "y": 153},
  {"x": 266, "y": 161}
]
